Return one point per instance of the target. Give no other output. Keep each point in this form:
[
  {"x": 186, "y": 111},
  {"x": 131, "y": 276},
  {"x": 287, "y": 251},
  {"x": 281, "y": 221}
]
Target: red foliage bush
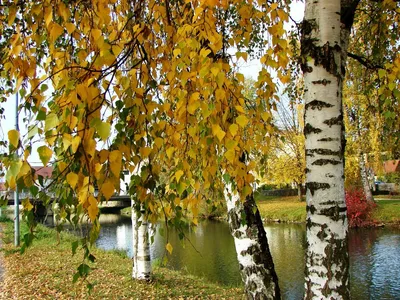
[{"x": 358, "y": 208}]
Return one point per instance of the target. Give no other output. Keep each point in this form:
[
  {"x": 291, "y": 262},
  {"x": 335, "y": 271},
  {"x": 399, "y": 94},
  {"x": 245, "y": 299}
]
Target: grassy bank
[
  {"x": 387, "y": 212},
  {"x": 45, "y": 271},
  {"x": 285, "y": 209},
  {"x": 290, "y": 209}
]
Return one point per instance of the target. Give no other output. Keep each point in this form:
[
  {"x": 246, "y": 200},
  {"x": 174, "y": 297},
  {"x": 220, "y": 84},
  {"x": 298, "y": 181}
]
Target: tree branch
[{"x": 365, "y": 61}]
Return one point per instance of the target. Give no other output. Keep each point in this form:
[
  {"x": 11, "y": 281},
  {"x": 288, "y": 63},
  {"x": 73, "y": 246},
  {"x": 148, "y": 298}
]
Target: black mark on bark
[
  {"x": 323, "y": 162},
  {"x": 310, "y": 129},
  {"x": 334, "y": 121},
  {"x": 313, "y": 186},
  {"x": 334, "y": 212},
  {"x": 321, "y": 151},
  {"x": 311, "y": 209},
  {"x": 316, "y": 104},
  {"x": 323, "y": 82},
  {"x": 328, "y": 139}
]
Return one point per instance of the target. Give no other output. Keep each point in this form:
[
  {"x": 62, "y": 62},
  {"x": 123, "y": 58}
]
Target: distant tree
[{"x": 285, "y": 162}]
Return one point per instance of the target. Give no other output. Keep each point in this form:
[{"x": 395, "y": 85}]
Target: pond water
[{"x": 374, "y": 255}]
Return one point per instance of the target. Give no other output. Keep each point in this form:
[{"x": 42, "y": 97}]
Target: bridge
[{"x": 117, "y": 201}]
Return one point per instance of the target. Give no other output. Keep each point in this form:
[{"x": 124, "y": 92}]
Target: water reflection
[
  {"x": 375, "y": 263},
  {"x": 374, "y": 255},
  {"x": 287, "y": 243}
]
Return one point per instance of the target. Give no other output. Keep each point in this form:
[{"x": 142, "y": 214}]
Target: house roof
[
  {"x": 43, "y": 171},
  {"x": 391, "y": 166}
]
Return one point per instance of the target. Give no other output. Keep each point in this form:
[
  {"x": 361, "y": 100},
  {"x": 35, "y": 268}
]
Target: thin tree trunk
[
  {"x": 299, "y": 191},
  {"x": 255, "y": 260},
  {"x": 327, "y": 263},
  {"x": 364, "y": 179},
  {"x": 141, "y": 269}
]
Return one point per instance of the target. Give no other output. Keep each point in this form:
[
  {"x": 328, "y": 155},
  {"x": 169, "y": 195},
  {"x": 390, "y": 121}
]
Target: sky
[{"x": 248, "y": 69}]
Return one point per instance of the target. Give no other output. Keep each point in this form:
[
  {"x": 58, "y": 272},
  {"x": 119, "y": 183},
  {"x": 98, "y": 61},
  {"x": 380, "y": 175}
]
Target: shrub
[{"x": 358, "y": 208}]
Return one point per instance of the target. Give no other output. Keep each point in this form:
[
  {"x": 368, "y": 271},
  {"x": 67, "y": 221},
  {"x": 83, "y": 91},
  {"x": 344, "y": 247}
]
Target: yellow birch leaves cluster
[{"x": 150, "y": 87}]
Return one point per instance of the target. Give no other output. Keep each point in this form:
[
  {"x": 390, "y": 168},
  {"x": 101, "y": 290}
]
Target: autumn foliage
[{"x": 358, "y": 208}]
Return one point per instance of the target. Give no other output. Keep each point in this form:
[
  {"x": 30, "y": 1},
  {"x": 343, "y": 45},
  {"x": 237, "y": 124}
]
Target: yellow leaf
[
  {"x": 178, "y": 175},
  {"x": 56, "y": 31},
  {"x": 12, "y": 13},
  {"x": 90, "y": 146},
  {"x": 70, "y": 27},
  {"x": 169, "y": 248},
  {"x": 247, "y": 190},
  {"x": 107, "y": 189},
  {"x": 218, "y": 132},
  {"x": 12, "y": 172},
  {"x": 233, "y": 129},
  {"x": 230, "y": 155},
  {"x": 215, "y": 71},
  {"x": 25, "y": 169},
  {"x": 176, "y": 52},
  {"x": 72, "y": 179},
  {"x": 103, "y": 155},
  {"x": 13, "y": 137},
  {"x": 170, "y": 151},
  {"x": 75, "y": 143},
  {"x": 62, "y": 166},
  {"x": 27, "y": 205},
  {"x": 115, "y": 159},
  {"x": 96, "y": 33},
  {"x": 116, "y": 49},
  {"x": 51, "y": 122},
  {"x": 27, "y": 152},
  {"x": 45, "y": 154},
  {"x": 67, "y": 139},
  {"x": 242, "y": 120},
  {"x": 159, "y": 142},
  {"x": 103, "y": 129},
  {"x": 145, "y": 152},
  {"x": 93, "y": 209},
  {"x": 220, "y": 94},
  {"x": 240, "y": 109},
  {"x": 192, "y": 107},
  {"x": 265, "y": 116}
]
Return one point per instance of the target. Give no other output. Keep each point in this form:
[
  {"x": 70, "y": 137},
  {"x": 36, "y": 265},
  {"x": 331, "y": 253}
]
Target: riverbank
[
  {"x": 46, "y": 270},
  {"x": 290, "y": 209}
]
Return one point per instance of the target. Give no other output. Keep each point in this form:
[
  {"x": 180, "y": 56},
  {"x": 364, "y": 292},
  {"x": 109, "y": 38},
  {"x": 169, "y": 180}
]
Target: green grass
[
  {"x": 290, "y": 209},
  {"x": 387, "y": 211},
  {"x": 46, "y": 269},
  {"x": 286, "y": 209}
]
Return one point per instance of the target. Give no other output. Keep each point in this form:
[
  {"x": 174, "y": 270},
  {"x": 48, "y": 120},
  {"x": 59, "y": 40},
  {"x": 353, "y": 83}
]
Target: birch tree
[
  {"x": 141, "y": 265},
  {"x": 326, "y": 36},
  {"x": 327, "y": 265}
]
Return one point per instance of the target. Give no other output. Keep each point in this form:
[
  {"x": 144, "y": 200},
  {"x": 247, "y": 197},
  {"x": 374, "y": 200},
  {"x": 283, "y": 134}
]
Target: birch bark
[
  {"x": 365, "y": 179},
  {"x": 327, "y": 264},
  {"x": 254, "y": 257},
  {"x": 141, "y": 269}
]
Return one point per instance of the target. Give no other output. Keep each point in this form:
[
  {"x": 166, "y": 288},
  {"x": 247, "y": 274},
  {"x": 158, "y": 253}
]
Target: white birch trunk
[
  {"x": 141, "y": 246},
  {"x": 364, "y": 179},
  {"x": 327, "y": 264},
  {"x": 254, "y": 257}
]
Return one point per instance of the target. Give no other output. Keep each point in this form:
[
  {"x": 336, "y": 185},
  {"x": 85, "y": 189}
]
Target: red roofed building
[
  {"x": 391, "y": 166},
  {"x": 44, "y": 171}
]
